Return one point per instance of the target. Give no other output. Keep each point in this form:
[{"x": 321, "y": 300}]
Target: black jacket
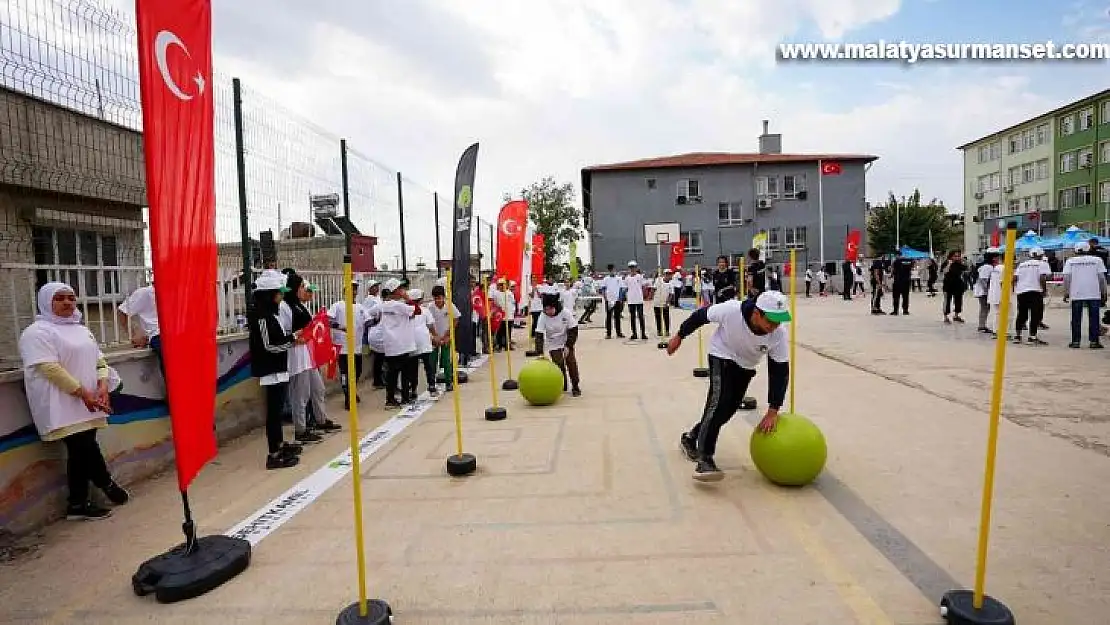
[
  {"x": 269, "y": 345},
  {"x": 954, "y": 281},
  {"x": 725, "y": 284}
]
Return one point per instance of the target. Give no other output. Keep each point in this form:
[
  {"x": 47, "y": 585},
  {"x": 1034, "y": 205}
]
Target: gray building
[{"x": 722, "y": 200}]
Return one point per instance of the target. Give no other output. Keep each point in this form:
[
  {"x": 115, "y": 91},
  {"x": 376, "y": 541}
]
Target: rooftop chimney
[{"x": 769, "y": 143}]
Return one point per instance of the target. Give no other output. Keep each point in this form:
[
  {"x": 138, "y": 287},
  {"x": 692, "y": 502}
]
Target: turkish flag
[
  {"x": 996, "y": 237},
  {"x": 175, "y": 76},
  {"x": 320, "y": 346},
  {"x": 512, "y": 224},
  {"x": 497, "y": 317},
  {"x": 478, "y": 302},
  {"x": 851, "y": 246},
  {"x": 538, "y": 256},
  {"x": 830, "y": 168},
  {"x": 678, "y": 254}
]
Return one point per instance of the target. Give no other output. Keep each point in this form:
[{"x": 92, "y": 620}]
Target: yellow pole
[
  {"x": 995, "y": 414},
  {"x": 352, "y": 427},
  {"x": 489, "y": 329},
  {"x": 697, "y": 304},
  {"x": 743, "y": 286},
  {"x": 793, "y": 323},
  {"x": 454, "y": 368},
  {"x": 510, "y": 317}
]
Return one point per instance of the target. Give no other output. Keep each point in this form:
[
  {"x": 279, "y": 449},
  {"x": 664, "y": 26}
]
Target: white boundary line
[{"x": 285, "y": 506}]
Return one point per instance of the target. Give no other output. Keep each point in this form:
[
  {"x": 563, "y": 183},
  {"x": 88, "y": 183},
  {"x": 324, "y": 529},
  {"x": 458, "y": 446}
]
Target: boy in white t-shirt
[
  {"x": 995, "y": 293},
  {"x": 441, "y": 337},
  {"x": 809, "y": 281},
  {"x": 557, "y": 332},
  {"x": 663, "y": 294},
  {"x": 1031, "y": 286},
  {"x": 634, "y": 286},
  {"x": 423, "y": 329},
  {"x": 1085, "y": 283},
  {"x": 337, "y": 316},
  {"x": 822, "y": 281},
  {"x": 398, "y": 342},
  {"x": 982, "y": 283}
]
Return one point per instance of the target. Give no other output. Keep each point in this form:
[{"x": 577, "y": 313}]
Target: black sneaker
[
  {"x": 329, "y": 426},
  {"x": 307, "y": 438},
  {"x": 1017, "y": 339},
  {"x": 707, "y": 471},
  {"x": 689, "y": 447},
  {"x": 576, "y": 392},
  {"x": 1096, "y": 345},
  {"x": 281, "y": 461},
  {"x": 116, "y": 494},
  {"x": 433, "y": 391},
  {"x": 1035, "y": 340},
  {"x": 87, "y": 512},
  {"x": 958, "y": 319},
  {"x": 1073, "y": 345},
  {"x": 391, "y": 404},
  {"x": 291, "y": 449}
]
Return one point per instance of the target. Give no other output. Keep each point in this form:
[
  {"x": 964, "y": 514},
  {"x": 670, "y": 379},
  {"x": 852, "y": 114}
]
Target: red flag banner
[
  {"x": 512, "y": 224},
  {"x": 851, "y": 246},
  {"x": 996, "y": 237},
  {"x": 478, "y": 302},
  {"x": 318, "y": 333},
  {"x": 538, "y": 256},
  {"x": 497, "y": 317},
  {"x": 175, "y": 79},
  {"x": 830, "y": 168},
  {"x": 678, "y": 254}
]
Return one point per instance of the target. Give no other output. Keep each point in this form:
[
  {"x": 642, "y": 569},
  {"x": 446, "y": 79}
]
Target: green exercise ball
[
  {"x": 792, "y": 455},
  {"x": 541, "y": 382}
]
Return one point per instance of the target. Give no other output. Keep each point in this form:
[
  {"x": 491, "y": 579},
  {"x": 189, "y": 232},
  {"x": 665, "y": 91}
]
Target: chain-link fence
[{"x": 72, "y": 181}]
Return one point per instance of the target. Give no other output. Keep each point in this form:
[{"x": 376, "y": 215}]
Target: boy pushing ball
[{"x": 556, "y": 334}]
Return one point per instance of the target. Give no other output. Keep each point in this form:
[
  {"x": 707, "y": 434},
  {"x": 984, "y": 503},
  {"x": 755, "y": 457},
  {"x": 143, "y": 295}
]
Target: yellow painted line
[{"x": 855, "y": 596}]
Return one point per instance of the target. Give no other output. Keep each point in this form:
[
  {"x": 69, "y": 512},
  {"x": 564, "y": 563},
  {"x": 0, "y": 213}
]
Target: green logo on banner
[{"x": 465, "y": 197}]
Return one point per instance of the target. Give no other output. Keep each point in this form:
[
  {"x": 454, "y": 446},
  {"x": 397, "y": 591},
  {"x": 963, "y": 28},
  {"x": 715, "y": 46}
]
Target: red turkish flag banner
[
  {"x": 851, "y": 246},
  {"x": 830, "y": 168},
  {"x": 175, "y": 76},
  {"x": 320, "y": 346},
  {"x": 478, "y": 302},
  {"x": 996, "y": 237},
  {"x": 678, "y": 254},
  {"x": 497, "y": 317},
  {"x": 538, "y": 257},
  {"x": 512, "y": 224}
]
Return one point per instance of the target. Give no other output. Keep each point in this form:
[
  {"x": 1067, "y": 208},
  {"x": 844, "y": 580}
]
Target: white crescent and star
[
  {"x": 510, "y": 227},
  {"x": 162, "y": 42}
]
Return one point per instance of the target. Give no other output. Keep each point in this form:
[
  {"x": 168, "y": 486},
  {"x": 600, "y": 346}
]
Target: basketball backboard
[{"x": 661, "y": 234}]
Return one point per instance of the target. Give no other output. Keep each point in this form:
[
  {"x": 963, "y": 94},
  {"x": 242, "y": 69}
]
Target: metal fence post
[
  {"x": 435, "y": 201},
  {"x": 346, "y": 189},
  {"x": 241, "y": 171},
  {"x": 401, "y": 212}
]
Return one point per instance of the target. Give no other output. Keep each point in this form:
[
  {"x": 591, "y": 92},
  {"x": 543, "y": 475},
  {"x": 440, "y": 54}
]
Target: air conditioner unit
[
  {"x": 976, "y": 218},
  {"x": 680, "y": 199},
  {"x": 1086, "y": 160},
  {"x": 763, "y": 204},
  {"x": 979, "y": 195},
  {"x": 695, "y": 199},
  {"x": 802, "y": 195},
  {"x": 1008, "y": 188}
]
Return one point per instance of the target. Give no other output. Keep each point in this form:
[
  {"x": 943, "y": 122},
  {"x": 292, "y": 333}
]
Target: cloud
[{"x": 1089, "y": 21}]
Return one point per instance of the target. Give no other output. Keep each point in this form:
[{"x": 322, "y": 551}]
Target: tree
[
  {"x": 908, "y": 222},
  {"x": 552, "y": 209}
]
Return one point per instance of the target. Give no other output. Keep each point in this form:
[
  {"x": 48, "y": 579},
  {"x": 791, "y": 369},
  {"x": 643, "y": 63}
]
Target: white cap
[
  {"x": 993, "y": 250},
  {"x": 270, "y": 280},
  {"x": 371, "y": 283},
  {"x": 1082, "y": 246},
  {"x": 416, "y": 295},
  {"x": 774, "y": 306},
  {"x": 1036, "y": 252},
  {"x": 441, "y": 281},
  {"x": 392, "y": 284},
  {"x": 632, "y": 263}
]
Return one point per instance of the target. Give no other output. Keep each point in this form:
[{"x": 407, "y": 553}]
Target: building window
[
  {"x": 693, "y": 241},
  {"x": 730, "y": 213},
  {"x": 1028, "y": 172},
  {"x": 1014, "y": 176},
  {"x": 1014, "y": 143},
  {"x": 1042, "y": 169},
  {"x": 774, "y": 239},
  {"x": 1104, "y": 192},
  {"x": 1075, "y": 196},
  {"x": 996, "y": 150},
  {"x": 651, "y": 183},
  {"x": 984, "y": 240},
  {"x": 795, "y": 237},
  {"x": 982, "y": 183},
  {"x": 982, "y": 212},
  {"x": 792, "y": 186},
  {"x": 688, "y": 192},
  {"x": 1026, "y": 204},
  {"x": 1067, "y": 124},
  {"x": 1105, "y": 112},
  {"x": 1040, "y": 202},
  {"x": 1086, "y": 118},
  {"x": 1042, "y": 134},
  {"x": 63, "y": 252},
  {"x": 992, "y": 210},
  {"x": 767, "y": 187},
  {"x": 1068, "y": 161},
  {"x": 1013, "y": 206},
  {"x": 984, "y": 153},
  {"x": 1086, "y": 157},
  {"x": 1028, "y": 139}
]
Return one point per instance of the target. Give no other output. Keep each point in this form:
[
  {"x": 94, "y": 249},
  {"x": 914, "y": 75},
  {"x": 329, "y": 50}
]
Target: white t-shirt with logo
[
  {"x": 141, "y": 304},
  {"x": 663, "y": 292},
  {"x": 734, "y": 339},
  {"x": 612, "y": 286},
  {"x": 337, "y": 314},
  {"x": 440, "y": 317},
  {"x": 398, "y": 337},
  {"x": 635, "y": 285},
  {"x": 420, "y": 332},
  {"x": 984, "y": 274},
  {"x": 568, "y": 297},
  {"x": 554, "y": 329},
  {"x": 1029, "y": 275},
  {"x": 1084, "y": 272},
  {"x": 994, "y": 288}
]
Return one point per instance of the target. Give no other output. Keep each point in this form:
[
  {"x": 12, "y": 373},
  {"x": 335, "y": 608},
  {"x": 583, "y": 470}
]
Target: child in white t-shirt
[
  {"x": 423, "y": 329},
  {"x": 398, "y": 342},
  {"x": 441, "y": 336},
  {"x": 557, "y": 332}
]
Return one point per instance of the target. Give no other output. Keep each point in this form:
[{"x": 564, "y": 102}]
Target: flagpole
[{"x": 821, "y": 206}]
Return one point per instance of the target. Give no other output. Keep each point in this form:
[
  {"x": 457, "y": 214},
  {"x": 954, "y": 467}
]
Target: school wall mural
[{"x": 136, "y": 444}]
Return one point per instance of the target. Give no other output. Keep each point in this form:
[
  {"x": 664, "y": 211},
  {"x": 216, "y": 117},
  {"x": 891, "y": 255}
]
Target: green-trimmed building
[{"x": 1047, "y": 173}]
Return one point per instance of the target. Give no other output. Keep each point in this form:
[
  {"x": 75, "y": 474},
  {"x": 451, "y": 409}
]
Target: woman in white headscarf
[{"x": 67, "y": 382}]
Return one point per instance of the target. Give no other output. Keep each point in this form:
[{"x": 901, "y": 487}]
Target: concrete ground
[{"x": 585, "y": 513}]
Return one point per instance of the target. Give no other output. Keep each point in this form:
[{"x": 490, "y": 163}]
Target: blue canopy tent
[
  {"x": 909, "y": 252},
  {"x": 1027, "y": 241},
  {"x": 1070, "y": 237}
]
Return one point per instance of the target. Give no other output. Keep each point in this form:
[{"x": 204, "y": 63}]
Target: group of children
[{"x": 392, "y": 320}]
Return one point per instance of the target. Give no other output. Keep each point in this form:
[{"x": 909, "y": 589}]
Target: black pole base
[
  {"x": 496, "y": 413},
  {"x": 378, "y": 612},
  {"x": 178, "y": 574},
  {"x": 748, "y": 403},
  {"x": 957, "y": 607},
  {"x": 509, "y": 385},
  {"x": 463, "y": 377},
  {"x": 701, "y": 372},
  {"x": 531, "y": 353},
  {"x": 459, "y": 465}
]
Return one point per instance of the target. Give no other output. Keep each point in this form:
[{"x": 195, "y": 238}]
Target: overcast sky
[{"x": 549, "y": 86}]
